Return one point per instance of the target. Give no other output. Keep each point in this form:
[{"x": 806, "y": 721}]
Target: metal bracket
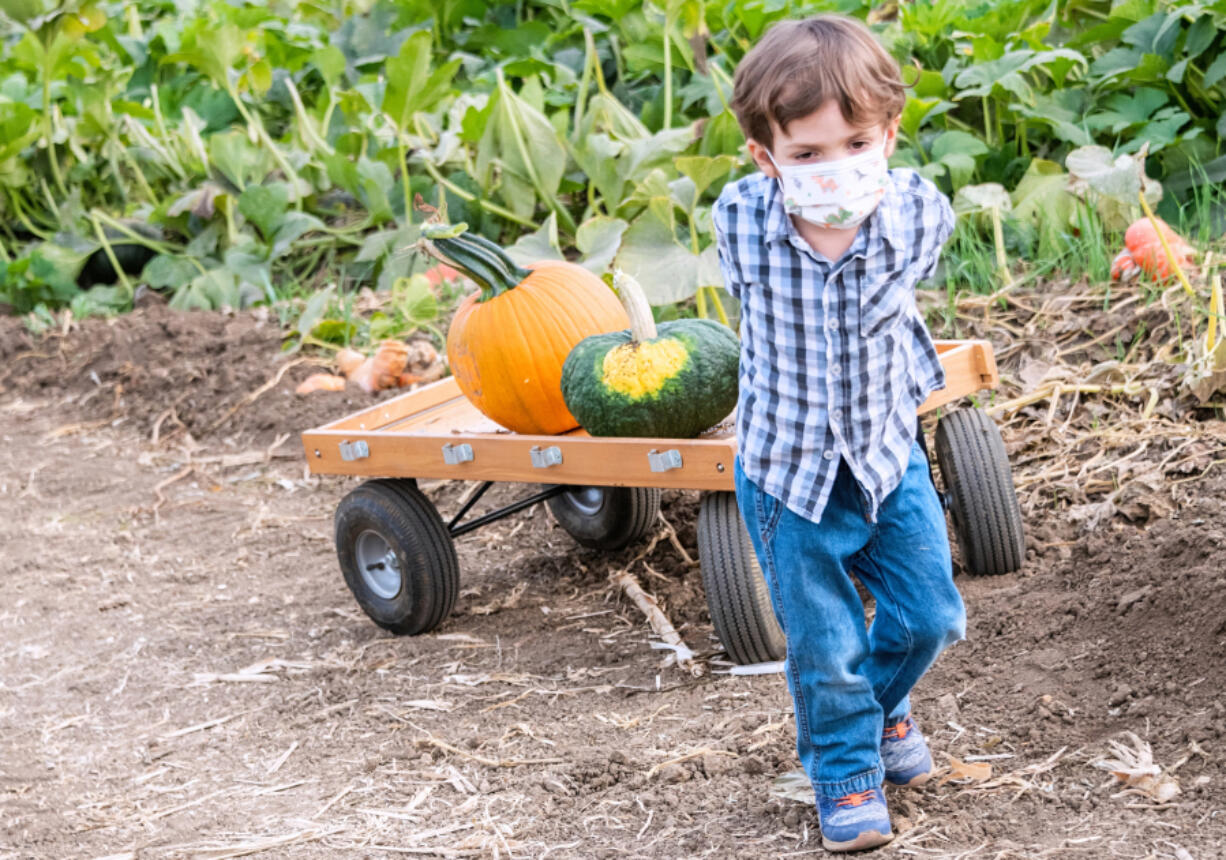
[
  {"x": 662, "y": 461},
  {"x": 543, "y": 458},
  {"x": 454, "y": 455},
  {"x": 358, "y": 450}
]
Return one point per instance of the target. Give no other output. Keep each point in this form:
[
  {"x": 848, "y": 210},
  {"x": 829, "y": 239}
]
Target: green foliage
[{"x": 280, "y": 148}]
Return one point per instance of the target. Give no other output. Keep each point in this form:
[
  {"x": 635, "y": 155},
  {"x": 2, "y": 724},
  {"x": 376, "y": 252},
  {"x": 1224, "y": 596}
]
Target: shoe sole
[
  {"x": 915, "y": 781},
  {"x": 867, "y": 839}
]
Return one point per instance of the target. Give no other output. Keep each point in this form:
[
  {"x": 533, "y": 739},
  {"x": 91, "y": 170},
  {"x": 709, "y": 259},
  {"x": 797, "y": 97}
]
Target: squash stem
[{"x": 642, "y": 323}]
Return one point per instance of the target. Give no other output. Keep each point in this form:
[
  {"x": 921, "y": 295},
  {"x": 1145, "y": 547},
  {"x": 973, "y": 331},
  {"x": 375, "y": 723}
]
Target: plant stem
[
  {"x": 48, "y": 130},
  {"x": 584, "y": 81},
  {"x": 517, "y": 133},
  {"x": 998, "y": 239},
  {"x": 110, "y": 255},
  {"x": 719, "y": 306},
  {"x": 668, "y": 70},
  {"x": 472, "y": 198},
  {"x": 262, "y": 133},
  {"x": 1170, "y": 255}
]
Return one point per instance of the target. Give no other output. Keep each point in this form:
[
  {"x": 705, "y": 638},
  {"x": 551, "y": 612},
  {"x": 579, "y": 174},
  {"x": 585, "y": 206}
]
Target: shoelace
[
  {"x": 899, "y": 730},
  {"x": 856, "y": 798}
]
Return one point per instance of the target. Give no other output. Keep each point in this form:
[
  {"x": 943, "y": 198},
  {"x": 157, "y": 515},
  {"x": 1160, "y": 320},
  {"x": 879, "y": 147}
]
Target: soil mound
[{"x": 190, "y": 368}]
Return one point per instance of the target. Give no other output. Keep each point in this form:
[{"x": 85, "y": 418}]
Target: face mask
[{"x": 839, "y": 193}]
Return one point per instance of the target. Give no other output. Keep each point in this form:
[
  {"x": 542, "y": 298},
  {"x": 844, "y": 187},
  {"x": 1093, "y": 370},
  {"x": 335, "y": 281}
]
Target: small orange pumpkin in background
[{"x": 507, "y": 342}]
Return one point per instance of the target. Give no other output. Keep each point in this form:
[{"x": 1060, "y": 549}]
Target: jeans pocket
[{"x": 769, "y": 510}]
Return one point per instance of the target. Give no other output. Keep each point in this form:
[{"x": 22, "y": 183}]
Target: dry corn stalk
[
  {"x": 1135, "y": 767},
  {"x": 657, "y": 619}
]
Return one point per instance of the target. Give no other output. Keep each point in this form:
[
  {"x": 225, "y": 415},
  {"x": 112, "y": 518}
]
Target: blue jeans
[{"x": 846, "y": 681}]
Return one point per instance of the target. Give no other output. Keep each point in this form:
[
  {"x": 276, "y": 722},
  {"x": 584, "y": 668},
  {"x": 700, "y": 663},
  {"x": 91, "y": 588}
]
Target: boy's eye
[{"x": 859, "y": 144}]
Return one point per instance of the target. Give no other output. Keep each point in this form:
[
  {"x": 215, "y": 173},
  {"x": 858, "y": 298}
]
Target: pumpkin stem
[
  {"x": 642, "y": 323},
  {"x": 476, "y": 257}
]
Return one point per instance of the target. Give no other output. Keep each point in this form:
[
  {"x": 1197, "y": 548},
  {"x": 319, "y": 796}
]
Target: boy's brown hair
[{"x": 799, "y": 65}]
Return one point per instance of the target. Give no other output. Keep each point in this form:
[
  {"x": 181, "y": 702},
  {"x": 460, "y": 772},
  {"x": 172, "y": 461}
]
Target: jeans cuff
[
  {"x": 865, "y": 781},
  {"x": 899, "y": 713}
]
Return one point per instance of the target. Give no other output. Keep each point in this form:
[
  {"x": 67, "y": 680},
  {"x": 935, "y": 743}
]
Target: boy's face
[{"x": 823, "y": 135}]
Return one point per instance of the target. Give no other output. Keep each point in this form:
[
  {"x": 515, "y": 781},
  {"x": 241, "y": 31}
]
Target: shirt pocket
[{"x": 884, "y": 302}]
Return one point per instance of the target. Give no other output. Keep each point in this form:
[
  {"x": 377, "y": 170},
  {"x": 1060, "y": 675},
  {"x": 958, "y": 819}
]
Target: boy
[{"x": 823, "y": 249}]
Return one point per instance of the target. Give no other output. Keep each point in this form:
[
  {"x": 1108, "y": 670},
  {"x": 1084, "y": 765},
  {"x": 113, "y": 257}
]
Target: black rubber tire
[
  {"x": 400, "y": 514},
  {"x": 737, "y": 594},
  {"x": 979, "y": 489},
  {"x": 625, "y": 515}
]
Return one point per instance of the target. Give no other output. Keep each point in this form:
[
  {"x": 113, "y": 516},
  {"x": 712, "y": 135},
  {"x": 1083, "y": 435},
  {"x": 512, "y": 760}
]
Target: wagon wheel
[
  {"x": 396, "y": 555},
  {"x": 606, "y": 518},
  {"x": 979, "y": 488},
  {"x": 737, "y": 594}
]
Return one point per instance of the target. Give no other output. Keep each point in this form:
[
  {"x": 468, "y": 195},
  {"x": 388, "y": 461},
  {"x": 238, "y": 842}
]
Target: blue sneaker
[
  {"x": 855, "y": 821},
  {"x": 904, "y": 752}
]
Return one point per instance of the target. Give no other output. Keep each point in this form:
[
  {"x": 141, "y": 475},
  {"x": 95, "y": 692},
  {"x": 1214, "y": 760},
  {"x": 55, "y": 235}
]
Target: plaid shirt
[{"x": 835, "y": 356}]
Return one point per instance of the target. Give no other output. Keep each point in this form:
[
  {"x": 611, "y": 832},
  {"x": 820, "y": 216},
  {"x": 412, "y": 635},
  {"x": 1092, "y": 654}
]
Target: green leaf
[
  {"x": 214, "y": 50},
  {"x": 313, "y": 311},
  {"x": 330, "y": 61},
  {"x": 704, "y": 170},
  {"x": 265, "y": 206},
  {"x": 959, "y": 142},
  {"x": 598, "y": 239},
  {"x": 520, "y": 142},
  {"x": 1126, "y": 110},
  {"x": 165, "y": 271},
  {"x": 1200, "y": 36},
  {"x": 214, "y": 289},
  {"x": 651, "y": 254},
  {"x": 970, "y": 199},
  {"x": 540, "y": 245},
  {"x": 1042, "y": 196},
  {"x": 335, "y": 331},
  {"x": 238, "y": 159},
  {"x": 414, "y": 300},
  {"x": 914, "y": 112},
  {"x": 1216, "y": 71},
  {"x": 292, "y": 226},
  {"x": 411, "y": 85}
]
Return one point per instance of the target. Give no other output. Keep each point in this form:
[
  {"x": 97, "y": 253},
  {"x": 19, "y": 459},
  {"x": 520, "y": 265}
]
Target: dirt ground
[{"x": 183, "y": 672}]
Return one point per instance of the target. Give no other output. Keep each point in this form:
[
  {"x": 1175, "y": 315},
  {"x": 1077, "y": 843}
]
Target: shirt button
[
  {"x": 835, "y": 370},
  {"x": 838, "y": 415},
  {"x": 829, "y": 455},
  {"x": 832, "y": 325}
]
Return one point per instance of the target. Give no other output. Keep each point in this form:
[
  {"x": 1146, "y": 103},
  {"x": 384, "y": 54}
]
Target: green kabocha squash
[{"x": 672, "y": 381}]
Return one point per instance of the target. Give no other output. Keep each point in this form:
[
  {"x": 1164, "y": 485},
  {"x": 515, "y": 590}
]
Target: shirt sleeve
[
  {"x": 727, "y": 265},
  {"x": 937, "y": 222}
]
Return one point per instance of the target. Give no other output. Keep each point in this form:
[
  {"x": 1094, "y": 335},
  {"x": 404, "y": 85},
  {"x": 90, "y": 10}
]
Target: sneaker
[
  {"x": 855, "y": 821},
  {"x": 904, "y": 752}
]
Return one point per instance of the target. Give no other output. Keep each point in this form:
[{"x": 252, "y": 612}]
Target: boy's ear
[
  {"x": 891, "y": 136},
  {"x": 758, "y": 153}
]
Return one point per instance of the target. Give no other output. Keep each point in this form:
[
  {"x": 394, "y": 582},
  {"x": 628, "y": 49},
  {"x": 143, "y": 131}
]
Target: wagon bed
[{"x": 435, "y": 432}]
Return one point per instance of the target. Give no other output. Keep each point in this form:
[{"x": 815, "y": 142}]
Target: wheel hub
[
  {"x": 377, "y": 562},
  {"x": 587, "y": 500}
]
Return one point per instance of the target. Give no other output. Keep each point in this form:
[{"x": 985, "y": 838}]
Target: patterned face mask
[{"x": 839, "y": 193}]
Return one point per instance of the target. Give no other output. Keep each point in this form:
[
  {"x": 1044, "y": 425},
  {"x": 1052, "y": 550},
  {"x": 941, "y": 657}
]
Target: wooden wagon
[{"x": 398, "y": 555}]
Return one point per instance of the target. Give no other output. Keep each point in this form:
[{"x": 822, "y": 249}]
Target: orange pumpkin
[
  {"x": 507, "y": 342},
  {"x": 1142, "y": 242}
]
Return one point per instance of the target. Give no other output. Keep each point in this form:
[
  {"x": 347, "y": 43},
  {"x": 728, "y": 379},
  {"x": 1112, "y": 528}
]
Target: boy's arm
[
  {"x": 936, "y": 223},
  {"x": 727, "y": 266}
]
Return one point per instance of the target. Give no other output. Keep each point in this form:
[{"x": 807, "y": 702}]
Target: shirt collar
[{"x": 884, "y": 221}]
